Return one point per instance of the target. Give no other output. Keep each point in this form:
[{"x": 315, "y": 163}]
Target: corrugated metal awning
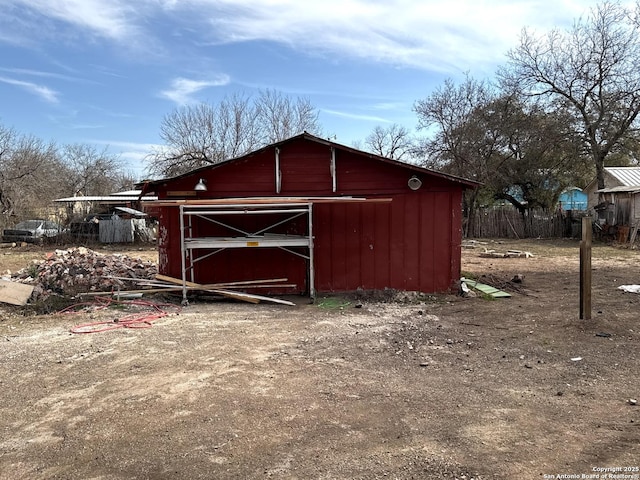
[{"x": 621, "y": 189}]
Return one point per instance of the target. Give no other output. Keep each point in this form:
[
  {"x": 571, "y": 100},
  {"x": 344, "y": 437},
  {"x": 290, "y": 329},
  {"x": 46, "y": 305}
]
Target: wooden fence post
[{"x": 585, "y": 270}]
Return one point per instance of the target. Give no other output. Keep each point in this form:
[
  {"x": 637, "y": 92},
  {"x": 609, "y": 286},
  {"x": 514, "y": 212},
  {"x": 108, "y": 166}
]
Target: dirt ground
[{"x": 384, "y": 386}]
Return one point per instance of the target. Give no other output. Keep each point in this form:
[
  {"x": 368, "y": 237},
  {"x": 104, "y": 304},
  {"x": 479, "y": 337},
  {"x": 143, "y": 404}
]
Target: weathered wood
[
  {"x": 250, "y": 297},
  {"x": 141, "y": 290},
  {"x": 178, "y": 281},
  {"x": 262, "y": 201},
  {"x": 585, "y": 270},
  {"x": 486, "y": 289},
  {"x": 246, "y": 297},
  {"x": 507, "y": 254},
  {"x": 15, "y": 293},
  {"x": 634, "y": 232},
  {"x": 509, "y": 223}
]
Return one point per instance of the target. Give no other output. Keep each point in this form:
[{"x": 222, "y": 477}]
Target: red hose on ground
[{"x": 134, "y": 320}]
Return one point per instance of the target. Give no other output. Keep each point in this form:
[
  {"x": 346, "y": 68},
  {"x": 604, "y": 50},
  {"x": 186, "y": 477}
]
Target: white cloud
[
  {"x": 182, "y": 89},
  {"x": 36, "y": 73},
  {"x": 131, "y": 154},
  {"x": 41, "y": 91},
  {"x": 355, "y": 116},
  {"x": 109, "y": 19},
  {"x": 441, "y": 35}
]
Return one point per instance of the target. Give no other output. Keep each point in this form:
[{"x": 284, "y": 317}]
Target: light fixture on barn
[
  {"x": 414, "y": 183},
  {"x": 200, "y": 186}
]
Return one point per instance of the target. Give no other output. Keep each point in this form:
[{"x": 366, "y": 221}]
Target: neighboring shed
[
  {"x": 327, "y": 217},
  {"x": 79, "y": 206},
  {"x": 617, "y": 206},
  {"x": 613, "y": 177},
  {"x": 572, "y": 198}
]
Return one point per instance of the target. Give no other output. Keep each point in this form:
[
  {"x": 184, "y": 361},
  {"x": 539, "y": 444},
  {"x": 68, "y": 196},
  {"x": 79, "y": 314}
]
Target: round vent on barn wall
[{"x": 414, "y": 183}]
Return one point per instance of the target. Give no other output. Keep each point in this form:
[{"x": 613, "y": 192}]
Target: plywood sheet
[{"x": 14, "y": 293}]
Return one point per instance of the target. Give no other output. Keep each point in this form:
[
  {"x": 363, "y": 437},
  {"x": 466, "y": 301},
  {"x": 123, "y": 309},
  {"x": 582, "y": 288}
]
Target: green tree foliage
[
  {"x": 590, "y": 72},
  {"x": 534, "y": 157},
  {"x": 520, "y": 153}
]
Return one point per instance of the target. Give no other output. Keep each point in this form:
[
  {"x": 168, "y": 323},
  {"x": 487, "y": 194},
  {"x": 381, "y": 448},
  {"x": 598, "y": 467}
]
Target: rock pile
[{"x": 80, "y": 270}]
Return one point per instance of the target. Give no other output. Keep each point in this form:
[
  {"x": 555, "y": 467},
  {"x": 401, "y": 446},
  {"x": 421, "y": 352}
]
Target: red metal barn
[{"x": 327, "y": 217}]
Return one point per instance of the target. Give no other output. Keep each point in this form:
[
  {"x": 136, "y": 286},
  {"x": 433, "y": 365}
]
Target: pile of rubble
[{"x": 80, "y": 270}]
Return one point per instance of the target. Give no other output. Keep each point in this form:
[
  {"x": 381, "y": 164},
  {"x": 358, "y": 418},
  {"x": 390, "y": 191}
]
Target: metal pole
[
  {"x": 183, "y": 257},
  {"x": 312, "y": 285}
]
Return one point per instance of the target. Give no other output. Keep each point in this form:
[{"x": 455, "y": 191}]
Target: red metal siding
[
  {"x": 305, "y": 169},
  {"x": 410, "y": 243},
  {"x": 406, "y": 244}
]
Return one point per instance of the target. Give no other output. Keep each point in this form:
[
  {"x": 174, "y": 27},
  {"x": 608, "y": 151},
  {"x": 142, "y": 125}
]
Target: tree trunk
[
  {"x": 470, "y": 200},
  {"x": 599, "y": 163}
]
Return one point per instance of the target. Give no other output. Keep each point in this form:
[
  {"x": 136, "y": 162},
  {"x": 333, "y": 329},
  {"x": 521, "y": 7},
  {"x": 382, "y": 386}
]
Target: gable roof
[{"x": 147, "y": 184}]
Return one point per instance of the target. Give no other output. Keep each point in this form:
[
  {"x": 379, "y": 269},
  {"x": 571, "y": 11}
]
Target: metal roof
[
  {"x": 627, "y": 176},
  {"x": 621, "y": 189},
  {"x": 107, "y": 199}
]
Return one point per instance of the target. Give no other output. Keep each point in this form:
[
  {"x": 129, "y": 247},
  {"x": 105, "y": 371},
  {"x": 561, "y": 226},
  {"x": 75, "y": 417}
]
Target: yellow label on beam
[{"x": 253, "y": 244}]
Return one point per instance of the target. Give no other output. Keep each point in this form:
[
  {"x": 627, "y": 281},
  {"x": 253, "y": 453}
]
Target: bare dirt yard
[{"x": 398, "y": 386}]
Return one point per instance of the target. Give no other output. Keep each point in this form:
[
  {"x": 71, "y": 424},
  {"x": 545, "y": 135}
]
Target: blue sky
[{"x": 105, "y": 72}]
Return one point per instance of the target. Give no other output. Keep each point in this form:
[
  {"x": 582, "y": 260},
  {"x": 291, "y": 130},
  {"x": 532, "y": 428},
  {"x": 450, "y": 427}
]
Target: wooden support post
[{"x": 585, "y": 270}]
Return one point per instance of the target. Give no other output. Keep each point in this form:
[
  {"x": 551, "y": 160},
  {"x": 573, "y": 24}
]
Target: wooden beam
[
  {"x": 180, "y": 193},
  {"x": 167, "y": 202},
  {"x": 246, "y": 297},
  {"x": 585, "y": 270},
  {"x": 178, "y": 281}
]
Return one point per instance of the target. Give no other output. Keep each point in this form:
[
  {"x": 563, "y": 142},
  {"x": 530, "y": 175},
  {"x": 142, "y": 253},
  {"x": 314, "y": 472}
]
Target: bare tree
[
  {"x": 592, "y": 71},
  {"x": 281, "y": 117},
  {"x": 459, "y": 145},
  {"x": 395, "y": 142},
  {"x": 29, "y": 170},
  {"x": 204, "y": 134},
  {"x": 90, "y": 171}
]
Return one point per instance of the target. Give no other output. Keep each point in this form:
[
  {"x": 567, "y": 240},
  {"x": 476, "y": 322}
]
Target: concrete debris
[{"x": 80, "y": 270}]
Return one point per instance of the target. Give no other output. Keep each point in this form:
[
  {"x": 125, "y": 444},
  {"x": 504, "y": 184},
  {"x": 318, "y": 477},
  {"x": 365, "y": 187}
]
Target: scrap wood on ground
[
  {"x": 167, "y": 284},
  {"x": 484, "y": 288},
  {"x": 81, "y": 272},
  {"x": 507, "y": 254},
  {"x": 495, "y": 287},
  {"x": 66, "y": 273}
]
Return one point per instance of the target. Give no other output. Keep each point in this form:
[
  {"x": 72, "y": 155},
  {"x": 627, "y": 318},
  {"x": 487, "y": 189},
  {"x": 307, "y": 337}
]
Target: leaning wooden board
[
  {"x": 486, "y": 289},
  {"x": 15, "y": 293}
]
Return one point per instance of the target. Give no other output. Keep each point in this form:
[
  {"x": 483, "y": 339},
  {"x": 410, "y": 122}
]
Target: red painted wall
[{"x": 410, "y": 243}]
